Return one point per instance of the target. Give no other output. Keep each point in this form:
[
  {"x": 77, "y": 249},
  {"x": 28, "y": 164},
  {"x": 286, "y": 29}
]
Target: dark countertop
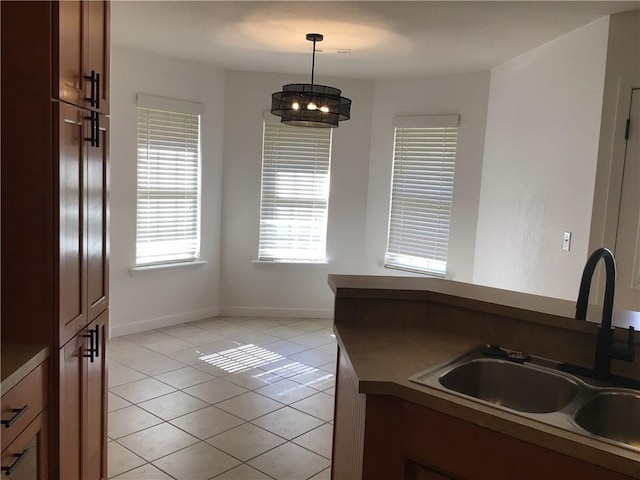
[{"x": 383, "y": 356}]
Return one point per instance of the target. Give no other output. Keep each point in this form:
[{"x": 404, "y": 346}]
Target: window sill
[
  {"x": 290, "y": 262},
  {"x": 165, "y": 267},
  {"x": 426, "y": 273}
]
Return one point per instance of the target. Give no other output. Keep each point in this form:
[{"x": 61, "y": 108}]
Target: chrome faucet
[{"x": 605, "y": 349}]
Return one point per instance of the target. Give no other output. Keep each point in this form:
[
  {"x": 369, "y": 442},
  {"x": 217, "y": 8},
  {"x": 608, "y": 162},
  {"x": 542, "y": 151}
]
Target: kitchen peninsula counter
[
  {"x": 17, "y": 360},
  {"x": 389, "y": 328}
]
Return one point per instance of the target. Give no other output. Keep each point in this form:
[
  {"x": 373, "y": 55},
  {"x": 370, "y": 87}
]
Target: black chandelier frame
[{"x": 309, "y": 104}]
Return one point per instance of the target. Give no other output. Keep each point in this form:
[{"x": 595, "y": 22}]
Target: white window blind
[
  {"x": 295, "y": 193},
  {"x": 421, "y": 193},
  {"x": 168, "y": 203}
]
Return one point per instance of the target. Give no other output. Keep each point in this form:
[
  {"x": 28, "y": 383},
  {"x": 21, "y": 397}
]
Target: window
[
  {"x": 424, "y": 157},
  {"x": 295, "y": 193},
  {"x": 168, "y": 204}
]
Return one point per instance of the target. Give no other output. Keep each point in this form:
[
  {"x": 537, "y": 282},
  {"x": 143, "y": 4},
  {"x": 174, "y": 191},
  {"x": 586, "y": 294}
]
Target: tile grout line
[{"x": 240, "y": 323}]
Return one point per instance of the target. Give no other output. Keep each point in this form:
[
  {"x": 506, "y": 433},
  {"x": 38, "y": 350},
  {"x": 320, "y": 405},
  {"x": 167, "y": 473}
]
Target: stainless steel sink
[
  {"x": 535, "y": 388},
  {"x": 614, "y": 415},
  {"x": 520, "y": 387}
]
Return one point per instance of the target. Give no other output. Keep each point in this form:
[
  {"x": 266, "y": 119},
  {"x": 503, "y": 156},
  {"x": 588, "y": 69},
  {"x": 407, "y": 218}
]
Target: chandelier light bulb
[
  {"x": 295, "y": 105},
  {"x": 312, "y": 106},
  {"x": 324, "y": 109}
]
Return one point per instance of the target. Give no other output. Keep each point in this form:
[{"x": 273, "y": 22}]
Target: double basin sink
[{"x": 535, "y": 387}]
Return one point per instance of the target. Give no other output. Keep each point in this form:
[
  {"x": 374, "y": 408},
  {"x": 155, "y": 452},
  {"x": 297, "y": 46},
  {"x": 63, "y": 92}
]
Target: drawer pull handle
[
  {"x": 18, "y": 458},
  {"x": 18, "y": 412}
]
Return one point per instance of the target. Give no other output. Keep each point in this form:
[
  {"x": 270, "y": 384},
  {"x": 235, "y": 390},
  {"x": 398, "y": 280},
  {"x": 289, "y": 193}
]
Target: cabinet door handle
[
  {"x": 89, "y": 353},
  {"x": 91, "y": 98},
  {"x": 96, "y": 117},
  {"x": 94, "y": 139},
  {"x": 18, "y": 412},
  {"x": 97, "y": 350},
  {"x": 18, "y": 458},
  {"x": 93, "y": 351},
  {"x": 91, "y": 139},
  {"x": 97, "y": 91}
]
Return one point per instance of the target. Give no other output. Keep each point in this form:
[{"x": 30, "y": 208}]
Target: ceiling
[{"x": 386, "y": 39}]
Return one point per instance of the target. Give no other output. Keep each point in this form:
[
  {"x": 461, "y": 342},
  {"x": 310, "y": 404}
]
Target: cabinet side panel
[
  {"x": 349, "y": 424},
  {"x": 28, "y": 231},
  {"x": 383, "y": 456}
]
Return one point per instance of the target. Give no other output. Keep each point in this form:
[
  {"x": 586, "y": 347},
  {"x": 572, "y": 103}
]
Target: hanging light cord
[{"x": 313, "y": 60}]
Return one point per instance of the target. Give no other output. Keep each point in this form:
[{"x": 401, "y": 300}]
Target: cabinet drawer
[
  {"x": 26, "y": 457},
  {"x": 31, "y": 392}
]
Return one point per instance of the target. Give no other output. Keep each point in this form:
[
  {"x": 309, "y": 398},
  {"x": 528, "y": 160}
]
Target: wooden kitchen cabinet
[
  {"x": 54, "y": 188},
  {"x": 83, "y": 217},
  {"x": 55, "y": 212},
  {"x": 94, "y": 435},
  {"x": 24, "y": 427},
  {"x": 383, "y": 436},
  {"x": 83, "y": 408},
  {"x": 420, "y": 472},
  {"x": 84, "y": 261},
  {"x": 82, "y": 35},
  {"x": 97, "y": 218},
  {"x": 465, "y": 450},
  {"x": 96, "y": 49},
  {"x": 26, "y": 457},
  {"x": 72, "y": 251}
]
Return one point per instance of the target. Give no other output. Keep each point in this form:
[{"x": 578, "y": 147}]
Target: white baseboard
[
  {"x": 276, "y": 312},
  {"x": 151, "y": 323}
]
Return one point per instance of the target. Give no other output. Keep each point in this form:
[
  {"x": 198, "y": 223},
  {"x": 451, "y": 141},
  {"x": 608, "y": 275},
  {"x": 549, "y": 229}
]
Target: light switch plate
[{"x": 566, "y": 241}]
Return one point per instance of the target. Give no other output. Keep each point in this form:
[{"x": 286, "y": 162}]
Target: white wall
[
  {"x": 248, "y": 288},
  {"x": 541, "y": 116},
  {"x": 540, "y": 157},
  {"x": 464, "y": 94},
  {"x": 622, "y": 73},
  {"x": 157, "y": 299}
]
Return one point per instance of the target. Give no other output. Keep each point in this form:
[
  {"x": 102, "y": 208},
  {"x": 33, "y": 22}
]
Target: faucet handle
[{"x": 627, "y": 353}]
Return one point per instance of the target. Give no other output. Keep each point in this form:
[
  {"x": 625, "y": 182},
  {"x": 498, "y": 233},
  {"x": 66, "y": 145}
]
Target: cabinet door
[
  {"x": 94, "y": 466},
  {"x": 72, "y": 383},
  {"x": 97, "y": 221},
  {"x": 72, "y": 248},
  {"x": 83, "y": 403},
  {"x": 82, "y": 36},
  {"x": 69, "y": 33},
  {"x": 96, "y": 51}
]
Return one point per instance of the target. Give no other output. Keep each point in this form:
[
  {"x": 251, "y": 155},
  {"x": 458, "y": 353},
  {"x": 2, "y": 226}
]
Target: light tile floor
[{"x": 224, "y": 398}]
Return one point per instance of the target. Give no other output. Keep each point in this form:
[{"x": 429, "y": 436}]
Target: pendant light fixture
[{"x": 308, "y": 104}]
